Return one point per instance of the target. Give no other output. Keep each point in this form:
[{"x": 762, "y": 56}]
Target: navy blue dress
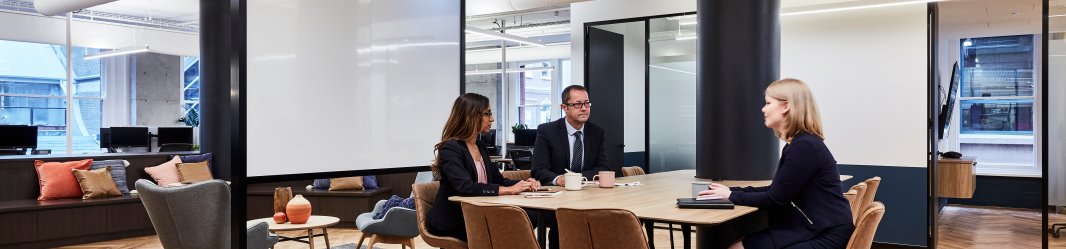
[{"x": 805, "y": 202}]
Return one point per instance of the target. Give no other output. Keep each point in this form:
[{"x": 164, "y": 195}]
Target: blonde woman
[
  {"x": 463, "y": 167},
  {"x": 805, "y": 205}
]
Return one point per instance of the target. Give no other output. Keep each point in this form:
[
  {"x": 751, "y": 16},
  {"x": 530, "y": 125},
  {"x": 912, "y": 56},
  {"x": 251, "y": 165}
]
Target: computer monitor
[
  {"x": 129, "y": 137},
  {"x": 105, "y": 137},
  {"x": 949, "y": 106},
  {"x": 489, "y": 138},
  {"x": 525, "y": 137},
  {"x": 18, "y": 136},
  {"x": 174, "y": 135}
]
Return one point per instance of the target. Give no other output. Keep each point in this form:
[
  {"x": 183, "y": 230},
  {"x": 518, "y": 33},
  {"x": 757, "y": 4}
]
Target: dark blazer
[
  {"x": 551, "y": 151},
  {"x": 805, "y": 197},
  {"x": 458, "y": 177}
]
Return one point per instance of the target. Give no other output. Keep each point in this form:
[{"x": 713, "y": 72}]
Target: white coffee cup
[{"x": 574, "y": 181}]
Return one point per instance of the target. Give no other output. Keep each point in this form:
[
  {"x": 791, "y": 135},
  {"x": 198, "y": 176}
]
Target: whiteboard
[{"x": 341, "y": 85}]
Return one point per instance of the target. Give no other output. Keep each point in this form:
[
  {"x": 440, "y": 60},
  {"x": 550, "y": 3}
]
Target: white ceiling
[{"x": 173, "y": 10}]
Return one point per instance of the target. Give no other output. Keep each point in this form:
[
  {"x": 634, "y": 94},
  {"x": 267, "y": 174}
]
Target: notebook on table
[
  {"x": 543, "y": 191},
  {"x": 704, "y": 204}
]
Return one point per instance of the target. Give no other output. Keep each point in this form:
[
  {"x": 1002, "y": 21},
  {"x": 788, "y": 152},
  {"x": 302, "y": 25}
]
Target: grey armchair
[
  {"x": 398, "y": 226},
  {"x": 188, "y": 216}
]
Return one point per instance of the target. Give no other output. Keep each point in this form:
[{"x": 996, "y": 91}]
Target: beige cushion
[
  {"x": 194, "y": 172},
  {"x": 346, "y": 183},
  {"x": 96, "y": 183},
  {"x": 166, "y": 173}
]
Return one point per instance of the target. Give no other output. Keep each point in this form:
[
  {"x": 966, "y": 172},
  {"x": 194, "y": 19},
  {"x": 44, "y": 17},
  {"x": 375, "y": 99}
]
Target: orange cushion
[{"x": 57, "y": 180}]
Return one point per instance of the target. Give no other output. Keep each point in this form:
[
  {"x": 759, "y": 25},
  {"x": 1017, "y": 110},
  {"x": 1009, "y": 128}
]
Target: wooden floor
[
  {"x": 979, "y": 227},
  {"x": 337, "y": 236},
  {"x": 959, "y": 227}
]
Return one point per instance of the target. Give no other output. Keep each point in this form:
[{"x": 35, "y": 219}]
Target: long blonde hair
[
  {"x": 803, "y": 111},
  {"x": 464, "y": 122}
]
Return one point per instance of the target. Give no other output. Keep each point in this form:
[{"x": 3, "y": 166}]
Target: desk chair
[
  {"x": 856, "y": 203},
  {"x": 632, "y": 171},
  {"x": 517, "y": 175},
  {"x": 425, "y": 195},
  {"x": 175, "y": 147},
  {"x": 871, "y": 192},
  {"x": 863, "y": 237},
  {"x": 600, "y": 228},
  {"x": 523, "y": 159},
  {"x": 498, "y": 226}
]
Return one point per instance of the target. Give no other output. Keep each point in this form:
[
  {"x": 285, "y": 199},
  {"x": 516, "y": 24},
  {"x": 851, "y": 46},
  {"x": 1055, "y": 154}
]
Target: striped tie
[{"x": 575, "y": 165}]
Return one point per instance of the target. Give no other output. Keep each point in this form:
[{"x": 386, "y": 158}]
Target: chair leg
[
  {"x": 357, "y": 246},
  {"x": 373, "y": 240},
  {"x": 411, "y": 243}
]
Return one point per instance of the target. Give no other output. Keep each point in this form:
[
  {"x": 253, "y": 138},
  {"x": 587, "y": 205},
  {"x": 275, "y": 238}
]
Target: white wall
[
  {"x": 52, "y": 30},
  {"x": 867, "y": 69}
]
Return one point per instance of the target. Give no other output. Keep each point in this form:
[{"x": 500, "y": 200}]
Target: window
[
  {"x": 190, "y": 88},
  {"x": 996, "y": 121},
  {"x": 534, "y": 96},
  {"x": 33, "y": 91}
]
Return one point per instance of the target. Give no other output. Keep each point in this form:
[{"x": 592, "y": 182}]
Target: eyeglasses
[{"x": 579, "y": 105}]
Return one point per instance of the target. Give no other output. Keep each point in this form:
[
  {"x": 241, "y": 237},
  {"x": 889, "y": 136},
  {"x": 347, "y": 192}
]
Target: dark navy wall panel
[
  {"x": 634, "y": 159},
  {"x": 903, "y": 191},
  {"x": 998, "y": 191}
]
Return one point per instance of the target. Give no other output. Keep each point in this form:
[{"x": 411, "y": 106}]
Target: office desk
[{"x": 654, "y": 201}]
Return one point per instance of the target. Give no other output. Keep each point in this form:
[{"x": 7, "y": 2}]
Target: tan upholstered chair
[
  {"x": 863, "y": 237},
  {"x": 498, "y": 226},
  {"x": 632, "y": 171},
  {"x": 851, "y": 195},
  {"x": 600, "y": 228},
  {"x": 425, "y": 195},
  {"x": 856, "y": 204},
  {"x": 871, "y": 192},
  {"x": 517, "y": 174}
]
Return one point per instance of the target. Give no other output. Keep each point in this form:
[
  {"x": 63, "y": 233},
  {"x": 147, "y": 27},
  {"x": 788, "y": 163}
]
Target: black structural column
[
  {"x": 221, "y": 49},
  {"x": 739, "y": 55}
]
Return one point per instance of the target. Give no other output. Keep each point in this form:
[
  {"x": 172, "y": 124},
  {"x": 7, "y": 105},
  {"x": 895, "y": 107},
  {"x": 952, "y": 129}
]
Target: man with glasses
[{"x": 570, "y": 143}]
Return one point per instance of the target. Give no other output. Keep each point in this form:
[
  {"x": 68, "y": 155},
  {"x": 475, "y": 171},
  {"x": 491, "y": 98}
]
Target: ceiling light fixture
[
  {"x": 858, "y": 7},
  {"x": 671, "y": 69},
  {"x": 682, "y": 37},
  {"x": 1062, "y": 15},
  {"x": 117, "y": 52},
  {"x": 503, "y": 36},
  {"x": 509, "y": 70},
  {"x": 687, "y": 23}
]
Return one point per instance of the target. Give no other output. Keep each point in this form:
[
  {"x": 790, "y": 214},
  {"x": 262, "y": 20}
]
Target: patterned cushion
[
  {"x": 198, "y": 158},
  {"x": 321, "y": 183},
  {"x": 370, "y": 182},
  {"x": 118, "y": 172},
  {"x": 395, "y": 201}
]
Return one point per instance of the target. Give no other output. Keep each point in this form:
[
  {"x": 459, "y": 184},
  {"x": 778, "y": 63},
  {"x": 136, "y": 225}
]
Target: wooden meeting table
[{"x": 655, "y": 200}]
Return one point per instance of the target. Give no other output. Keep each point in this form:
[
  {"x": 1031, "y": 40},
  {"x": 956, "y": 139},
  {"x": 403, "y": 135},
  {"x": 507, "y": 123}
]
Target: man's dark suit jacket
[
  {"x": 551, "y": 152},
  {"x": 805, "y": 197},
  {"x": 458, "y": 177}
]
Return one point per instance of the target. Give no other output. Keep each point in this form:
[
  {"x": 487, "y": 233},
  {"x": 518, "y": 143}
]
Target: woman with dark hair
[{"x": 462, "y": 168}]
